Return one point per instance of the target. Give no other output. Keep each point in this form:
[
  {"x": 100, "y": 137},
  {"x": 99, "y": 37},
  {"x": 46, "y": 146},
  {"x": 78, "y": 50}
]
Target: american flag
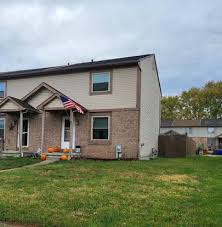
[{"x": 70, "y": 104}]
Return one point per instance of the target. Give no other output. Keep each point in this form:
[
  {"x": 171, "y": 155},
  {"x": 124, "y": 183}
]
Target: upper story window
[
  {"x": 210, "y": 130},
  {"x": 101, "y": 82},
  {"x": 100, "y": 128},
  {"x": 2, "y": 90}
]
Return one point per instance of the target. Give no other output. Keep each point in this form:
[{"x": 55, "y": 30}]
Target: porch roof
[
  {"x": 54, "y": 103},
  {"x": 219, "y": 136},
  {"x": 12, "y": 104}
]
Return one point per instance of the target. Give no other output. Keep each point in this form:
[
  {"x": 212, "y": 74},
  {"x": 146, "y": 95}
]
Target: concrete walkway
[
  {"x": 3, "y": 224},
  {"x": 29, "y": 166}
]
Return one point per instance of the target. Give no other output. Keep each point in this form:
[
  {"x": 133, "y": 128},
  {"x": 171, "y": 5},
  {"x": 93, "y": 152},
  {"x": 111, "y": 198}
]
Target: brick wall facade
[
  {"x": 124, "y": 130},
  {"x": 11, "y": 132}
]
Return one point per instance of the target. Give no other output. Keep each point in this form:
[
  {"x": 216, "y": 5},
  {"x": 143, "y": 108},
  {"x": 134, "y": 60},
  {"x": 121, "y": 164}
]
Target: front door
[
  {"x": 66, "y": 133},
  {"x": 25, "y": 133}
]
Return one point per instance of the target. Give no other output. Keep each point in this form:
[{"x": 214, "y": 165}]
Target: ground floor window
[
  {"x": 100, "y": 127},
  {"x": 2, "y": 128}
]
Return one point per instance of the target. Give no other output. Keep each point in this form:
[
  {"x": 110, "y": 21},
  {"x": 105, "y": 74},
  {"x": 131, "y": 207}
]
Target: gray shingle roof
[
  {"x": 93, "y": 65},
  {"x": 191, "y": 123},
  {"x": 211, "y": 123}
]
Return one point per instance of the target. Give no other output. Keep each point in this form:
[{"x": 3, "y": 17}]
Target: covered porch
[{"x": 30, "y": 129}]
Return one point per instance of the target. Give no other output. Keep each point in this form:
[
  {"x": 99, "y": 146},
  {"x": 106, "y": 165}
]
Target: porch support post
[
  {"x": 43, "y": 131},
  {"x": 20, "y": 133},
  {"x": 71, "y": 131}
]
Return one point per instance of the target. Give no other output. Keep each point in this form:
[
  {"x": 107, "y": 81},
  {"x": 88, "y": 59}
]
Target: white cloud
[{"x": 185, "y": 35}]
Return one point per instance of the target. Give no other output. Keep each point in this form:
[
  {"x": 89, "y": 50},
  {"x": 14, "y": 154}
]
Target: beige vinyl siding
[
  {"x": 196, "y": 131},
  {"x": 9, "y": 106},
  {"x": 54, "y": 103},
  {"x": 150, "y": 107},
  {"x": 39, "y": 97},
  {"x": 76, "y": 86}
]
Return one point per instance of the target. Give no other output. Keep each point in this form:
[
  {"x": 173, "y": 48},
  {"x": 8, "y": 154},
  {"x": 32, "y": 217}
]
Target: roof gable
[
  {"x": 38, "y": 88},
  {"x": 39, "y": 97},
  {"x": 54, "y": 102},
  {"x": 14, "y": 104},
  {"x": 9, "y": 105}
]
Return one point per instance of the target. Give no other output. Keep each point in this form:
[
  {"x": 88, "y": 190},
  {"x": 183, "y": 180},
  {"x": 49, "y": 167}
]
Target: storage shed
[{"x": 173, "y": 144}]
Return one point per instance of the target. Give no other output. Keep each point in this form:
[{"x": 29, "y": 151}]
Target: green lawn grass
[
  {"x": 162, "y": 192},
  {"x": 10, "y": 162}
]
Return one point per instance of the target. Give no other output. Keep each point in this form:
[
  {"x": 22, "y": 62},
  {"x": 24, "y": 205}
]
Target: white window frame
[
  {"x": 210, "y": 130},
  {"x": 109, "y": 85},
  {"x": 4, "y": 126},
  {"x": 108, "y": 128},
  {"x": 4, "y": 90},
  {"x": 22, "y": 133}
]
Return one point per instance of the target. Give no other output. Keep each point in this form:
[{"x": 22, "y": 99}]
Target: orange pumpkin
[
  {"x": 66, "y": 150},
  {"x": 57, "y": 149},
  {"x": 64, "y": 158},
  {"x": 43, "y": 157},
  {"x": 50, "y": 149}
]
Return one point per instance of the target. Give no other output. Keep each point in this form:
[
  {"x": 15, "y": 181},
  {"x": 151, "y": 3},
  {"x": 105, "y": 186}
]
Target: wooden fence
[{"x": 176, "y": 146}]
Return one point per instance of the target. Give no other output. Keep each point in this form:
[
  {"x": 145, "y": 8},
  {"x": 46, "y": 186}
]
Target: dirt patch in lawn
[{"x": 177, "y": 178}]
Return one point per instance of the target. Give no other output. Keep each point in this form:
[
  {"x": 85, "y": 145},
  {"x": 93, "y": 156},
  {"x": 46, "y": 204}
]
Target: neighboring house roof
[
  {"x": 186, "y": 123},
  {"x": 166, "y": 123},
  {"x": 93, "y": 65},
  {"x": 191, "y": 123},
  {"x": 171, "y": 133},
  {"x": 211, "y": 123}
]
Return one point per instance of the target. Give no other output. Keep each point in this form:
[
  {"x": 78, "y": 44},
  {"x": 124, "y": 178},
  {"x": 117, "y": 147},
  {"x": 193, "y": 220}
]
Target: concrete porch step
[
  {"x": 7, "y": 154},
  {"x": 57, "y": 155},
  {"x": 12, "y": 153}
]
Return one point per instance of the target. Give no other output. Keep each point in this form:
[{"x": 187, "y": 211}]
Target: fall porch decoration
[
  {"x": 43, "y": 157},
  {"x": 66, "y": 150},
  {"x": 64, "y": 157}
]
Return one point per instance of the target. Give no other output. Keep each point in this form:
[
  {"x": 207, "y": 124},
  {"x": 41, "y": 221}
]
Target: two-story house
[
  {"x": 114, "y": 102},
  {"x": 205, "y": 132}
]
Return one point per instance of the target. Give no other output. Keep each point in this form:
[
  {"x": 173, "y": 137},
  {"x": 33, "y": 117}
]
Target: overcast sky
[{"x": 186, "y": 36}]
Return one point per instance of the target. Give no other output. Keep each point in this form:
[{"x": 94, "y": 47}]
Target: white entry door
[{"x": 66, "y": 133}]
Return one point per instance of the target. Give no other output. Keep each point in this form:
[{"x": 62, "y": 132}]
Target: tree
[
  {"x": 170, "y": 107},
  {"x": 196, "y": 103}
]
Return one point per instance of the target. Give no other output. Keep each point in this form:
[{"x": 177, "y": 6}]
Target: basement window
[{"x": 100, "y": 128}]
